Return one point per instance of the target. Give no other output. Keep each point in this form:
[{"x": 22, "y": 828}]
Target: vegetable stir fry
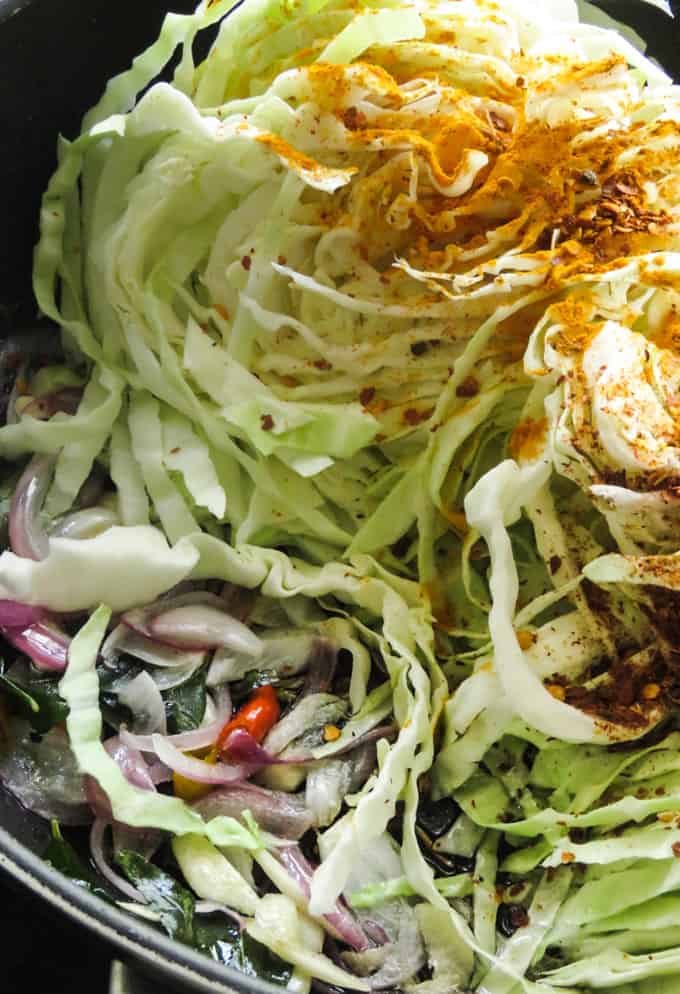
[{"x": 340, "y": 588}]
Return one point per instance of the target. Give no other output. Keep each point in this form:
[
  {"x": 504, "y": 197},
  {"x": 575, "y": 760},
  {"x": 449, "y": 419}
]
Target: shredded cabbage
[{"x": 375, "y": 311}]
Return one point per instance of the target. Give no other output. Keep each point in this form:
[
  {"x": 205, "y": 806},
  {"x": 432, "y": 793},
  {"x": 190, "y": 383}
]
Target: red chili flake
[
  {"x": 353, "y": 118},
  {"x": 413, "y": 417},
  {"x": 266, "y": 422},
  {"x": 323, "y": 364},
  {"x": 173, "y": 452},
  {"x": 554, "y": 564},
  {"x": 367, "y": 395},
  {"x": 676, "y": 849},
  {"x": 468, "y": 388},
  {"x": 246, "y": 262},
  {"x": 568, "y": 857}
]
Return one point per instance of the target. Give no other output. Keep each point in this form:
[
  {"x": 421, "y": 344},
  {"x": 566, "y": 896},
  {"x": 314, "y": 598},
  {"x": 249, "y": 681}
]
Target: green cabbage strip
[
  {"x": 373, "y": 895},
  {"x": 76, "y": 458},
  {"x": 521, "y": 948},
  {"x": 493, "y": 504},
  {"x": 614, "y": 968}
]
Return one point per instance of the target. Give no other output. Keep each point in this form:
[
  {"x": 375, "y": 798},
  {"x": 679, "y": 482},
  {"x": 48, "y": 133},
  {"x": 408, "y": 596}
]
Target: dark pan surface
[{"x": 55, "y": 58}]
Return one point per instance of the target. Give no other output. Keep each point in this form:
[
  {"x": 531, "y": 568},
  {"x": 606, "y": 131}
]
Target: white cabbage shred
[{"x": 380, "y": 306}]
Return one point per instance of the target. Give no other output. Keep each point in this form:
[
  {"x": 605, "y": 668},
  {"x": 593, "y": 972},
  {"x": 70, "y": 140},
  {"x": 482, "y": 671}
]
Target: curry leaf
[{"x": 173, "y": 903}]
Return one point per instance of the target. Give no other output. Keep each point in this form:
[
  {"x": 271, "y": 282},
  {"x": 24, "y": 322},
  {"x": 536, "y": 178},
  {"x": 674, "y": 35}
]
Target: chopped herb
[
  {"x": 63, "y": 857},
  {"x": 173, "y": 903},
  {"x": 35, "y": 697},
  {"x": 185, "y": 705}
]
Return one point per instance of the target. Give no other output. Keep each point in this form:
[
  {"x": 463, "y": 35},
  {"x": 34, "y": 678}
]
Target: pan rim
[{"x": 162, "y": 955}]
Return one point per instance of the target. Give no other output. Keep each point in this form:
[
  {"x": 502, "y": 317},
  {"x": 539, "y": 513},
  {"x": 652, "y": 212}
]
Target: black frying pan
[{"x": 55, "y": 57}]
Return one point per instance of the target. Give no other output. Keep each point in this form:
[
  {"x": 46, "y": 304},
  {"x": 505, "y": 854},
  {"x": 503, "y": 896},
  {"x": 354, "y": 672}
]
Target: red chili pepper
[{"x": 257, "y": 716}]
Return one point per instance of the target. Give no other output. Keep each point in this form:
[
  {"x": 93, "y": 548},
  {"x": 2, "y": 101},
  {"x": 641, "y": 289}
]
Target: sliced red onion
[
  {"x": 242, "y": 747},
  {"x": 197, "y": 620},
  {"x": 97, "y": 833},
  {"x": 84, "y": 524},
  {"x": 132, "y": 764},
  {"x": 159, "y": 772},
  {"x": 188, "y": 741},
  {"x": 323, "y": 661},
  {"x": 27, "y": 628},
  {"x": 143, "y": 698},
  {"x": 133, "y": 767},
  {"x": 172, "y": 667},
  {"x": 274, "y": 811},
  {"x": 44, "y": 407},
  {"x": 196, "y": 769},
  {"x": 203, "y": 627},
  {"x": 27, "y": 537},
  {"x": 138, "y": 618},
  {"x": 340, "y": 923},
  {"x": 14, "y": 614},
  {"x": 44, "y": 775},
  {"x": 46, "y": 647},
  {"x": 374, "y": 930}
]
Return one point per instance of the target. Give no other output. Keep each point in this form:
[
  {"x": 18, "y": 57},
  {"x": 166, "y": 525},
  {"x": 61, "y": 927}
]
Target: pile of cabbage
[{"x": 374, "y": 312}]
